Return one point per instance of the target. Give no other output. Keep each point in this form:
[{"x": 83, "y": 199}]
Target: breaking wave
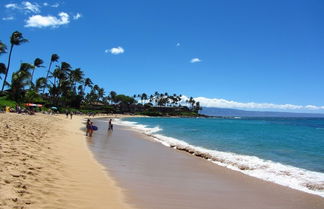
[{"x": 286, "y": 175}]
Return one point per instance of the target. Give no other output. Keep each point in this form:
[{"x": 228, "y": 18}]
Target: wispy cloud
[
  {"x": 195, "y": 60},
  {"x": 11, "y": 6},
  {"x": 77, "y": 16},
  {"x": 223, "y": 103},
  {"x": 39, "y": 21},
  {"x": 35, "y": 8},
  {"x": 115, "y": 51},
  {"x": 55, "y": 5},
  {"x": 178, "y": 44},
  {"x": 8, "y": 18},
  {"x": 24, "y": 6}
]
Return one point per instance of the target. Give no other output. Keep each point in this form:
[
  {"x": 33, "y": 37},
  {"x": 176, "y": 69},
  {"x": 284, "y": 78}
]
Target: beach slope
[{"x": 45, "y": 163}]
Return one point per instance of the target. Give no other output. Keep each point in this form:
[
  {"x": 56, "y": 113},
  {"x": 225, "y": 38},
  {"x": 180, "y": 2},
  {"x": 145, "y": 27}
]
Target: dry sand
[{"x": 45, "y": 163}]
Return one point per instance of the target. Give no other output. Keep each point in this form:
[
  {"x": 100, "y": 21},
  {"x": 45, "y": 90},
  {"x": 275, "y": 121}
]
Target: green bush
[{"x": 6, "y": 102}]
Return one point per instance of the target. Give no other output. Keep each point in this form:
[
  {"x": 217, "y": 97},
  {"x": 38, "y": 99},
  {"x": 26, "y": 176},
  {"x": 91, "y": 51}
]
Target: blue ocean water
[{"x": 269, "y": 148}]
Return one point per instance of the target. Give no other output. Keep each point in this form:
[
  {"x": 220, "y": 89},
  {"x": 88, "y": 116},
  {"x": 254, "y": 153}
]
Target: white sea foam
[{"x": 286, "y": 175}]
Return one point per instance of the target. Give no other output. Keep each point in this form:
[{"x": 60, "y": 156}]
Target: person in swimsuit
[{"x": 89, "y": 128}]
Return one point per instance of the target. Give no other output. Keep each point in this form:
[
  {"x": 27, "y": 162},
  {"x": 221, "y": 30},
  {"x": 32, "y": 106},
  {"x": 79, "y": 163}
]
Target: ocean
[{"x": 286, "y": 151}]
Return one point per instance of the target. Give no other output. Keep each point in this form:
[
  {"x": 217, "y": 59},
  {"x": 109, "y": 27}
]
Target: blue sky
[{"x": 249, "y": 54}]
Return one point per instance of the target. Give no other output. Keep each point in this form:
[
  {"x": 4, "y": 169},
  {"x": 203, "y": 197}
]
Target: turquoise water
[{"x": 269, "y": 148}]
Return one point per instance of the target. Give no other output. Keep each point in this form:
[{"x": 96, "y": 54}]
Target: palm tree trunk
[
  {"x": 7, "y": 70},
  {"x": 49, "y": 68}
]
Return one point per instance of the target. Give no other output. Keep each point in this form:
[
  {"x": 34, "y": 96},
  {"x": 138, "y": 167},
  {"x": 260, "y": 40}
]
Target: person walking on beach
[
  {"x": 71, "y": 114},
  {"x": 110, "y": 125},
  {"x": 67, "y": 113}
]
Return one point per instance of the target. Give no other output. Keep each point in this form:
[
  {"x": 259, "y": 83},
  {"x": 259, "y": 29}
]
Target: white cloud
[
  {"x": 55, "y": 5},
  {"x": 223, "y": 103},
  {"x": 12, "y": 6},
  {"x": 178, "y": 44},
  {"x": 35, "y": 8},
  {"x": 8, "y": 18},
  {"x": 45, "y": 4},
  {"x": 25, "y": 6},
  {"x": 39, "y": 21},
  {"x": 195, "y": 60},
  {"x": 77, "y": 16},
  {"x": 115, "y": 51}
]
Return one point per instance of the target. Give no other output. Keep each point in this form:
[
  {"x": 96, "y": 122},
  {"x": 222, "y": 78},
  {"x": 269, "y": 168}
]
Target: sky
[{"x": 246, "y": 54}]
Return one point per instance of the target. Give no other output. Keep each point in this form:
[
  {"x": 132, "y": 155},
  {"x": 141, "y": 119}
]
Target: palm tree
[
  {"x": 15, "y": 40},
  {"x": 19, "y": 81},
  {"x": 40, "y": 83},
  {"x": 143, "y": 97},
  {"x": 113, "y": 95},
  {"x": 2, "y": 69},
  {"x": 3, "y": 48},
  {"x": 37, "y": 64},
  {"x": 101, "y": 93},
  {"x": 54, "y": 58},
  {"x": 76, "y": 76},
  {"x": 87, "y": 82}
]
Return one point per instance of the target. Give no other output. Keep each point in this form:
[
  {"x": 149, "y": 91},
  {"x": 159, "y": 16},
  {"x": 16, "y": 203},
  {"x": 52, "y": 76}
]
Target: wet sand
[{"x": 155, "y": 176}]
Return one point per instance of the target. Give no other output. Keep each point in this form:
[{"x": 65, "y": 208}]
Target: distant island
[{"x": 227, "y": 112}]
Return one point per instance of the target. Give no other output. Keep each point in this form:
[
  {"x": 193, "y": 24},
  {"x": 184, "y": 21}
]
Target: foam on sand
[{"x": 286, "y": 175}]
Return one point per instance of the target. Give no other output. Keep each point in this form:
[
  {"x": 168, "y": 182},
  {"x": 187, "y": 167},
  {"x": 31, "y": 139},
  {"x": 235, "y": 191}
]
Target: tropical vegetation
[{"x": 65, "y": 87}]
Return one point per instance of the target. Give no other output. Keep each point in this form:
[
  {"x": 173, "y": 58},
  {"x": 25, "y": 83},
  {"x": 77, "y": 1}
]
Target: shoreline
[
  {"x": 45, "y": 163},
  {"x": 266, "y": 170},
  {"x": 156, "y": 176}
]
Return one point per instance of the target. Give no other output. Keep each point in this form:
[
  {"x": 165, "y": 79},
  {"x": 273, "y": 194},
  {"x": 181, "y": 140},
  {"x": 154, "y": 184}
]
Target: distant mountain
[{"x": 226, "y": 112}]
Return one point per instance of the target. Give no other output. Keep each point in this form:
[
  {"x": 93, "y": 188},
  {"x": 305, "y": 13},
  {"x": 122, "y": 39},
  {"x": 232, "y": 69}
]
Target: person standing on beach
[
  {"x": 71, "y": 114},
  {"x": 89, "y": 128},
  {"x": 110, "y": 125}
]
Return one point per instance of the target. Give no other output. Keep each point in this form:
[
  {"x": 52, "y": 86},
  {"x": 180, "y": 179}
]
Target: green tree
[
  {"x": 76, "y": 76},
  {"x": 3, "y": 48},
  {"x": 54, "y": 58},
  {"x": 19, "y": 81},
  {"x": 37, "y": 64},
  {"x": 113, "y": 95},
  {"x": 16, "y": 39},
  {"x": 40, "y": 84},
  {"x": 87, "y": 83},
  {"x": 2, "y": 69}
]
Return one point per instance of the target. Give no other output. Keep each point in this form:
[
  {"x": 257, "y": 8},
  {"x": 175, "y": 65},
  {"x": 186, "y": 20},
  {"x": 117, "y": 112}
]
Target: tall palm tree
[
  {"x": 113, "y": 95},
  {"x": 16, "y": 39},
  {"x": 76, "y": 76},
  {"x": 37, "y": 64},
  {"x": 54, "y": 58},
  {"x": 40, "y": 83},
  {"x": 101, "y": 93},
  {"x": 87, "y": 82}
]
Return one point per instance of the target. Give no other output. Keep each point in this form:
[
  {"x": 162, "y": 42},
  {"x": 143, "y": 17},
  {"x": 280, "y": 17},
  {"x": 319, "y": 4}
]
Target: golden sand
[{"x": 45, "y": 163}]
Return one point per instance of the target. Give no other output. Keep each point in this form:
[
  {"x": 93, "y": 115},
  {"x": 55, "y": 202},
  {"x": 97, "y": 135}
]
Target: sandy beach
[{"x": 45, "y": 163}]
